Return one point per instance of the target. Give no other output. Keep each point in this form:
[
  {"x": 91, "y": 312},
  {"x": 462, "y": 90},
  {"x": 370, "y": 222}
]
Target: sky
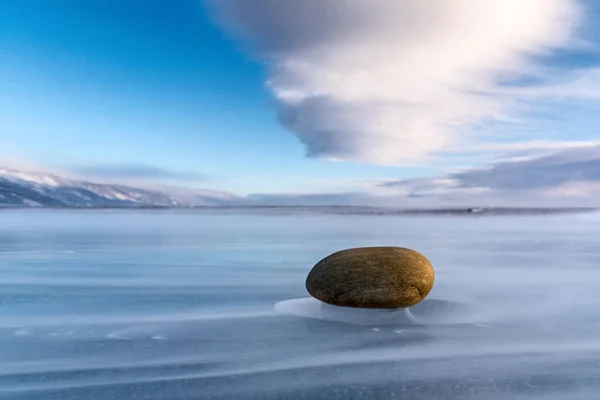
[{"x": 380, "y": 102}]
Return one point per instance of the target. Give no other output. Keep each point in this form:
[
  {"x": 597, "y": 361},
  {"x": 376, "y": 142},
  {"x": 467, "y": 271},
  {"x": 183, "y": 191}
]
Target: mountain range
[
  {"x": 26, "y": 189},
  {"x": 37, "y": 189}
]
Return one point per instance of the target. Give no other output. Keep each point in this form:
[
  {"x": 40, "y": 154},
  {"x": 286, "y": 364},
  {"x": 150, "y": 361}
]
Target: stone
[{"x": 372, "y": 277}]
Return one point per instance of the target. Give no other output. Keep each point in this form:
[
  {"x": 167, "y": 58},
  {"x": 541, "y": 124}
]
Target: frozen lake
[{"x": 195, "y": 305}]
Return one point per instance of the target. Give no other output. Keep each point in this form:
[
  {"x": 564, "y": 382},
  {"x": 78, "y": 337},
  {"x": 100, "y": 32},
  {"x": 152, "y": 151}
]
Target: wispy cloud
[
  {"x": 128, "y": 171},
  {"x": 396, "y": 81},
  {"x": 532, "y": 145},
  {"x": 581, "y": 165},
  {"x": 537, "y": 174},
  {"x": 309, "y": 199},
  {"x": 566, "y": 177}
]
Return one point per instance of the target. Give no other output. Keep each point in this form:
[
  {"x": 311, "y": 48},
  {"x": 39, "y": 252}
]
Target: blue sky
[
  {"x": 145, "y": 82},
  {"x": 262, "y": 97}
]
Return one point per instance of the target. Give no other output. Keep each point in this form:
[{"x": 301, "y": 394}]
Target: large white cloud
[{"x": 394, "y": 81}]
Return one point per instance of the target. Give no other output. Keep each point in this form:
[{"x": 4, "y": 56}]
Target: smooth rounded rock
[{"x": 372, "y": 277}]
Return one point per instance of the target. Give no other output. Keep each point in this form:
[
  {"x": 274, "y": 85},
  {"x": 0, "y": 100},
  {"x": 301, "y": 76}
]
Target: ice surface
[
  {"x": 214, "y": 307},
  {"x": 311, "y": 308}
]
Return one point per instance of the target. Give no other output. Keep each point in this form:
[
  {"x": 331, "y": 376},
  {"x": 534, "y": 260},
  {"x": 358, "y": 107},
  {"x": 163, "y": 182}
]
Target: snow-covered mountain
[{"x": 25, "y": 189}]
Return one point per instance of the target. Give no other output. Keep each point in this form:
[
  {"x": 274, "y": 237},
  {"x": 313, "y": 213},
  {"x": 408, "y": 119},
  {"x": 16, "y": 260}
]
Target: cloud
[
  {"x": 310, "y": 199},
  {"x": 568, "y": 177},
  {"x": 397, "y": 81},
  {"x": 533, "y": 146},
  {"x": 135, "y": 171},
  {"x": 566, "y": 167}
]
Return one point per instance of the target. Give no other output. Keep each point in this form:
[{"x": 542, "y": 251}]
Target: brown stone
[{"x": 372, "y": 277}]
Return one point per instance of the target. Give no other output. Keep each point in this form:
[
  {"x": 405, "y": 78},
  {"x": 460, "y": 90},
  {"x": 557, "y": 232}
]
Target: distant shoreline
[{"x": 338, "y": 210}]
